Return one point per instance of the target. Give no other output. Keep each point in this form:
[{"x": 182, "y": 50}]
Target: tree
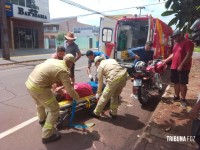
[
  {"x": 185, "y": 12},
  {"x": 60, "y": 37}
]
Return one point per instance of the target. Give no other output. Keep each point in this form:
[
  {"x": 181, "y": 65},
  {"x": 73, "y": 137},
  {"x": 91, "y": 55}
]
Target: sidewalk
[
  {"x": 27, "y": 55},
  {"x": 169, "y": 127}
]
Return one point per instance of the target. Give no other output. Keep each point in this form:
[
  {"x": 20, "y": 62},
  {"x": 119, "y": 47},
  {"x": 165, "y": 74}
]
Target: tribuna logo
[{"x": 180, "y": 138}]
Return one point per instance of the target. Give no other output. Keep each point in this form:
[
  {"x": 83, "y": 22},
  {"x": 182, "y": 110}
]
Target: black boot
[
  {"x": 113, "y": 116},
  {"x": 54, "y": 137},
  {"x": 42, "y": 123},
  {"x": 95, "y": 116}
]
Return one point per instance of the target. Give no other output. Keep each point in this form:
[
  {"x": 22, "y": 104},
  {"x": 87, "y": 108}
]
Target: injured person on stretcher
[
  {"x": 82, "y": 88},
  {"x": 86, "y": 92}
]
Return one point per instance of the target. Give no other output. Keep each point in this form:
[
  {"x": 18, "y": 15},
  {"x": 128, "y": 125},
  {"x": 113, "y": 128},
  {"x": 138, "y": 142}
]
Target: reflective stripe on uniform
[
  {"x": 50, "y": 101},
  {"x": 30, "y": 85},
  {"x": 48, "y": 125}
]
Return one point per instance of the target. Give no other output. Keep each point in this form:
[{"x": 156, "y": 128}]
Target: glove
[
  {"x": 97, "y": 96},
  {"x": 90, "y": 76}
]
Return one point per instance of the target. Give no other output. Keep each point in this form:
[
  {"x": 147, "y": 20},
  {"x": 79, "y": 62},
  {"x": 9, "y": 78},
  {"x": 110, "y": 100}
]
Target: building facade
[
  {"x": 25, "y": 20},
  {"x": 87, "y": 36}
]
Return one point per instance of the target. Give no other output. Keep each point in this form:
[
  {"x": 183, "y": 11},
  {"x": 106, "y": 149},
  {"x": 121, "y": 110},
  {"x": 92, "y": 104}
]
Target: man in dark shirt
[
  {"x": 72, "y": 48},
  {"x": 144, "y": 54}
]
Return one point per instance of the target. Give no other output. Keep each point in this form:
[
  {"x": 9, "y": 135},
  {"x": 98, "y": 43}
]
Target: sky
[{"x": 59, "y": 9}]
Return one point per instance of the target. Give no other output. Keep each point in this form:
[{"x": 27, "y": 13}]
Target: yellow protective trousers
[
  {"x": 111, "y": 91},
  {"x": 47, "y": 107}
]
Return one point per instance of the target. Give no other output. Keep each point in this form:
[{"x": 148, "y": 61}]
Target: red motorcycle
[{"x": 147, "y": 79}]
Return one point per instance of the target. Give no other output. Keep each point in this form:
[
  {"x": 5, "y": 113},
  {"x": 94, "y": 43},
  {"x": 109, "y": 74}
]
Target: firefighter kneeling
[
  {"x": 39, "y": 85},
  {"x": 116, "y": 77}
]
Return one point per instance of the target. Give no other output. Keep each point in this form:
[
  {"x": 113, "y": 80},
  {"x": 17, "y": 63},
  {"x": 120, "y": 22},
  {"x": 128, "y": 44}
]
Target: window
[
  {"x": 17, "y": 2},
  {"x": 28, "y": 3},
  {"x": 22, "y": 2},
  {"x": 107, "y": 35},
  {"x": 14, "y": 2}
]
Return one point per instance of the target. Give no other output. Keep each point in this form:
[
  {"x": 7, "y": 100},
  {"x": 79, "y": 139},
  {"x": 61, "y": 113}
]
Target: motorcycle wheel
[
  {"x": 158, "y": 82},
  {"x": 143, "y": 94}
]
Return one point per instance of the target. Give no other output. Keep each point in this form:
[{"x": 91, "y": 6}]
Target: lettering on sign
[{"x": 31, "y": 12}]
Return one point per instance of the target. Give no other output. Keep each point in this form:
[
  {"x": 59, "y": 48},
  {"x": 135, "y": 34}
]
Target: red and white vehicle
[{"x": 118, "y": 35}]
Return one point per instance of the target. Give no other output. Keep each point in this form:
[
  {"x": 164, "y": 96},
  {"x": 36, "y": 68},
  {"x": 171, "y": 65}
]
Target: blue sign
[{"x": 9, "y": 9}]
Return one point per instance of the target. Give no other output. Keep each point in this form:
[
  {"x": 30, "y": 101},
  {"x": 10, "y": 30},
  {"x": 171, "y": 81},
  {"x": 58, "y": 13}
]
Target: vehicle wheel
[
  {"x": 143, "y": 94},
  {"x": 59, "y": 126},
  {"x": 158, "y": 82}
]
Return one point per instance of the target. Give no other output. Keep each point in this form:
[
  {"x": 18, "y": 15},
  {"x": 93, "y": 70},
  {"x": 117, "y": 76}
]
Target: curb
[
  {"x": 148, "y": 127},
  {"x": 151, "y": 134},
  {"x": 25, "y": 61},
  {"x": 20, "y": 62}
]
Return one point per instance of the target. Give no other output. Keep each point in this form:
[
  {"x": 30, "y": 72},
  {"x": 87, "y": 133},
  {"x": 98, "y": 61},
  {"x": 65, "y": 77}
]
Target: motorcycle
[{"x": 147, "y": 79}]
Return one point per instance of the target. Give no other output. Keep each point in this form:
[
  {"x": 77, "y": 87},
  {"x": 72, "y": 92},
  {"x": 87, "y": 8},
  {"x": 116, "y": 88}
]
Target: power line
[{"x": 102, "y": 13}]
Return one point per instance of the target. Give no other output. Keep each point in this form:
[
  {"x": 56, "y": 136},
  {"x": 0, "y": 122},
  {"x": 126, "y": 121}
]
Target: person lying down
[{"x": 83, "y": 89}]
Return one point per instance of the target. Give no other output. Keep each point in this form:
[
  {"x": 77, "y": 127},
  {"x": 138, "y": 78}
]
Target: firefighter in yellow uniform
[
  {"x": 39, "y": 86},
  {"x": 116, "y": 77}
]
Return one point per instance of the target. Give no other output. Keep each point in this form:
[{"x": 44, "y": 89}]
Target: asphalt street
[{"x": 19, "y": 127}]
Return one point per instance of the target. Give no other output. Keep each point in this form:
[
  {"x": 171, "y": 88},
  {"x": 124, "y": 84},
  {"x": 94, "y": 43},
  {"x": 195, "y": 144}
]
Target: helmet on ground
[
  {"x": 140, "y": 66},
  {"x": 69, "y": 57},
  {"x": 98, "y": 58},
  {"x": 160, "y": 67}
]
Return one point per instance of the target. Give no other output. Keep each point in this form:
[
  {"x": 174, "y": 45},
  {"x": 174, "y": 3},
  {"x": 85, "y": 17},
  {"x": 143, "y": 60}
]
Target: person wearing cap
[
  {"x": 60, "y": 53},
  {"x": 91, "y": 55},
  {"x": 181, "y": 58},
  {"x": 116, "y": 77},
  {"x": 144, "y": 54},
  {"x": 72, "y": 48},
  {"x": 39, "y": 85}
]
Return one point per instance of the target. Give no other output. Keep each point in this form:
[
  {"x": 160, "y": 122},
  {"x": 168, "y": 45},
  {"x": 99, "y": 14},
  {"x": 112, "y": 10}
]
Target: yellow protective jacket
[
  {"x": 49, "y": 72},
  {"x": 112, "y": 72}
]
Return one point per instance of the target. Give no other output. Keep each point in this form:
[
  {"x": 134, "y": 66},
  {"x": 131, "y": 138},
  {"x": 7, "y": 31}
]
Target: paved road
[{"x": 17, "y": 107}]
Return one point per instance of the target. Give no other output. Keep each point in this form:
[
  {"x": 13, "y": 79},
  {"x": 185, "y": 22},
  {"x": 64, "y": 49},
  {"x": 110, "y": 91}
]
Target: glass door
[
  {"x": 22, "y": 37},
  {"x": 29, "y": 38}
]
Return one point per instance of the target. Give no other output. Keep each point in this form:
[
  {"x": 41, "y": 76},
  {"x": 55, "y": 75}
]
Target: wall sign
[
  {"x": 40, "y": 15},
  {"x": 31, "y": 12},
  {"x": 9, "y": 9}
]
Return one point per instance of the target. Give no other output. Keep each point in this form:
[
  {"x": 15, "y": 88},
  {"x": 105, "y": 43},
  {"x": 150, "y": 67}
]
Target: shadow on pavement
[
  {"x": 74, "y": 141},
  {"x": 121, "y": 121}
]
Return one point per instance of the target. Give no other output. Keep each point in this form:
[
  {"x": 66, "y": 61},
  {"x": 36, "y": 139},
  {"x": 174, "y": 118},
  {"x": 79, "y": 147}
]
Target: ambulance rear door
[{"x": 106, "y": 38}]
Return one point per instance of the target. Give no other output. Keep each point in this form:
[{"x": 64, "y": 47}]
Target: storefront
[{"x": 25, "y": 23}]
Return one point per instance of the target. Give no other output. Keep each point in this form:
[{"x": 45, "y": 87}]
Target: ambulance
[{"x": 120, "y": 33}]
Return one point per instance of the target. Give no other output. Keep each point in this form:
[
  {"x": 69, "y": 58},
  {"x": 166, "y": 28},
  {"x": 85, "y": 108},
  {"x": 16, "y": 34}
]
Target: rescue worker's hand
[
  {"x": 90, "y": 77},
  {"x": 58, "y": 89},
  {"x": 97, "y": 96}
]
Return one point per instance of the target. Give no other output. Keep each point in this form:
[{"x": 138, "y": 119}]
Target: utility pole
[
  {"x": 140, "y": 9},
  {"x": 4, "y": 31}
]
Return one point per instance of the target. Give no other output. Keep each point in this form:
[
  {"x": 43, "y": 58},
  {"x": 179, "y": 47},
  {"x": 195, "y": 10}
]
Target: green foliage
[
  {"x": 185, "y": 12},
  {"x": 60, "y": 36},
  {"x": 197, "y": 49},
  {"x": 167, "y": 13}
]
